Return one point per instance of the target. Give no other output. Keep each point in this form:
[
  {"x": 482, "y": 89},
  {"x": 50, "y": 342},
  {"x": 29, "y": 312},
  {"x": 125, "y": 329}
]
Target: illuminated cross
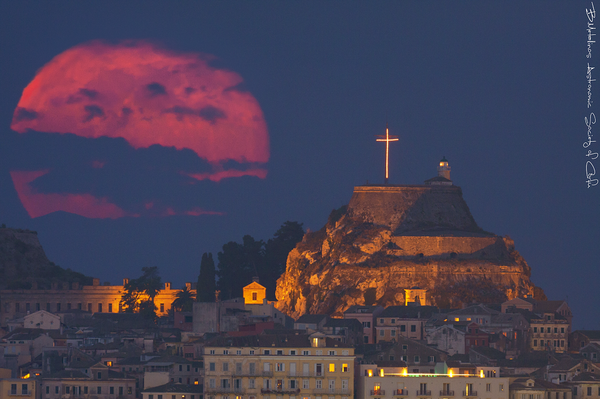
[{"x": 387, "y": 138}]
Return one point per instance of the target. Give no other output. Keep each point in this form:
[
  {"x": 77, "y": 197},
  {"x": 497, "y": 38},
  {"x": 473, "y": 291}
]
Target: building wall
[
  {"x": 77, "y": 388},
  {"x": 251, "y": 372},
  {"x": 407, "y": 328},
  {"x": 43, "y": 320},
  {"x": 94, "y": 298},
  {"x": 447, "y": 339},
  {"x": 373, "y": 385},
  {"x": 555, "y": 335},
  {"x": 13, "y": 388}
]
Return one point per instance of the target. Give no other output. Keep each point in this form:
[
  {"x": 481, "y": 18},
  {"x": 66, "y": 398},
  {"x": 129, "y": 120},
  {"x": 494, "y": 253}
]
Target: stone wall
[{"x": 410, "y": 208}]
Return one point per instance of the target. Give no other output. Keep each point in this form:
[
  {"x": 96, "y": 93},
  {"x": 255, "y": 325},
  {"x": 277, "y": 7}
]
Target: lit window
[
  {"x": 332, "y": 367},
  {"x": 345, "y": 368}
]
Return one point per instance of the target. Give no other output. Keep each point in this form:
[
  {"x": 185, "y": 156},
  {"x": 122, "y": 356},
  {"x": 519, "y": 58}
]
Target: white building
[
  {"x": 42, "y": 320},
  {"x": 375, "y": 382}
]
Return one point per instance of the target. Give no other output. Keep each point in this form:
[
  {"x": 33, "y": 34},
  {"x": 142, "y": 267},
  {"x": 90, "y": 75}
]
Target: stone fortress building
[{"x": 395, "y": 237}]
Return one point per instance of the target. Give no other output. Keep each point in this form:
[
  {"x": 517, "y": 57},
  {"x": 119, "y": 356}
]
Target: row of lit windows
[
  {"x": 252, "y": 370},
  {"x": 549, "y": 343},
  {"x": 280, "y": 384},
  {"x": 446, "y": 388},
  {"x": 549, "y": 330},
  {"x": 267, "y": 397},
  {"x": 78, "y": 390},
  {"x": 413, "y": 328},
  {"x": 277, "y": 352},
  {"x": 539, "y": 395},
  {"x": 171, "y": 396}
]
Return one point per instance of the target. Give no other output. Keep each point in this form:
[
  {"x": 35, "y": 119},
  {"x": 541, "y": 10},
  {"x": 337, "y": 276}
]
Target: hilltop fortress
[{"x": 393, "y": 238}]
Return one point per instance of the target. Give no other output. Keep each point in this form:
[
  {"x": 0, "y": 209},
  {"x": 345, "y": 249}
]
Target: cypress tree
[{"x": 205, "y": 289}]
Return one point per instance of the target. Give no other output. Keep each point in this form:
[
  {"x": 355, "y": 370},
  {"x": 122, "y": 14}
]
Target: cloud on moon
[{"x": 163, "y": 104}]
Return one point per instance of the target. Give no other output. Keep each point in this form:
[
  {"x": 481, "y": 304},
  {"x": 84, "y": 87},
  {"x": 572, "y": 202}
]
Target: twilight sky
[{"x": 146, "y": 133}]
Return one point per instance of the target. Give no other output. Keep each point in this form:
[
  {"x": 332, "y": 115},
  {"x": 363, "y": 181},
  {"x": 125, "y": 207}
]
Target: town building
[
  {"x": 97, "y": 381},
  {"x": 585, "y": 386},
  {"x": 375, "y": 381},
  {"x": 529, "y": 388},
  {"x": 367, "y": 316},
  {"x": 446, "y": 338},
  {"x": 61, "y": 297},
  {"x": 403, "y": 321},
  {"x": 283, "y": 365},
  {"x": 173, "y": 391}
]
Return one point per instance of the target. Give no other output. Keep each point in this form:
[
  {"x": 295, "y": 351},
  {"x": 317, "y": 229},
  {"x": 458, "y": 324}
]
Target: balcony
[
  {"x": 249, "y": 374},
  {"x": 400, "y": 392},
  {"x": 313, "y": 374},
  {"x": 447, "y": 393},
  {"x": 422, "y": 392},
  {"x": 267, "y": 373},
  {"x": 14, "y": 392},
  {"x": 224, "y": 390},
  {"x": 377, "y": 392},
  {"x": 469, "y": 394},
  {"x": 330, "y": 391},
  {"x": 281, "y": 391}
]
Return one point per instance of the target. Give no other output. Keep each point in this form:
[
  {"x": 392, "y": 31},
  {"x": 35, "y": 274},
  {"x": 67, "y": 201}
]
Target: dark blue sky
[{"x": 499, "y": 88}]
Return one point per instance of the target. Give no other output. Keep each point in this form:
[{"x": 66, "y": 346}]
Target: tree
[
  {"x": 184, "y": 300},
  {"x": 276, "y": 253},
  {"x": 138, "y": 294},
  {"x": 206, "y": 287},
  {"x": 238, "y": 263}
]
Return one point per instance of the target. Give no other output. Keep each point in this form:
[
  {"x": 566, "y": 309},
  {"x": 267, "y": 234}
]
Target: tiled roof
[
  {"x": 361, "y": 309},
  {"x": 565, "y": 364},
  {"x": 349, "y": 323},
  {"x": 521, "y": 383},
  {"x": 272, "y": 340},
  {"x": 23, "y": 334},
  {"x": 311, "y": 318},
  {"x": 409, "y": 312},
  {"x": 546, "y": 306},
  {"x": 68, "y": 374},
  {"x": 169, "y": 359},
  {"x": 591, "y": 334},
  {"x": 175, "y": 388},
  {"x": 488, "y": 352},
  {"x": 587, "y": 377},
  {"x": 475, "y": 309}
]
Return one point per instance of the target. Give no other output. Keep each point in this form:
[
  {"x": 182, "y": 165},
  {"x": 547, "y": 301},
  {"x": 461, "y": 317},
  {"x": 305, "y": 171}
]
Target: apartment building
[
  {"x": 278, "y": 366},
  {"x": 377, "y": 382}
]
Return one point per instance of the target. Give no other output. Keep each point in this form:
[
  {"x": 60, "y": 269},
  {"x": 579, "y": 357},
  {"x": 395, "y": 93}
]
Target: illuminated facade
[
  {"x": 254, "y": 294},
  {"x": 445, "y": 383},
  {"x": 61, "y": 298},
  {"x": 285, "y": 366}
]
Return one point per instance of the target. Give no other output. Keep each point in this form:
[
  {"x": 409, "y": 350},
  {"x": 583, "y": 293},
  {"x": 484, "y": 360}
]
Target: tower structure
[{"x": 444, "y": 169}]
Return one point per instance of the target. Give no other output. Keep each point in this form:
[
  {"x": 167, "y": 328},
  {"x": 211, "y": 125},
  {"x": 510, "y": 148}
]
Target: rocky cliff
[
  {"x": 23, "y": 263},
  {"x": 391, "y": 238}
]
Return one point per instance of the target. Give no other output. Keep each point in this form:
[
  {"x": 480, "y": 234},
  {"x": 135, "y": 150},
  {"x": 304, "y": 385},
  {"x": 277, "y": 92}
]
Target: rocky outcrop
[
  {"x": 392, "y": 238},
  {"x": 23, "y": 263}
]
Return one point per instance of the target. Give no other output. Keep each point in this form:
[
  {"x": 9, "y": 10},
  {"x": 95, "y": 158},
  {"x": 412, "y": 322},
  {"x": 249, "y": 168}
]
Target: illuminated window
[
  {"x": 456, "y": 319},
  {"x": 332, "y": 367},
  {"x": 345, "y": 368}
]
